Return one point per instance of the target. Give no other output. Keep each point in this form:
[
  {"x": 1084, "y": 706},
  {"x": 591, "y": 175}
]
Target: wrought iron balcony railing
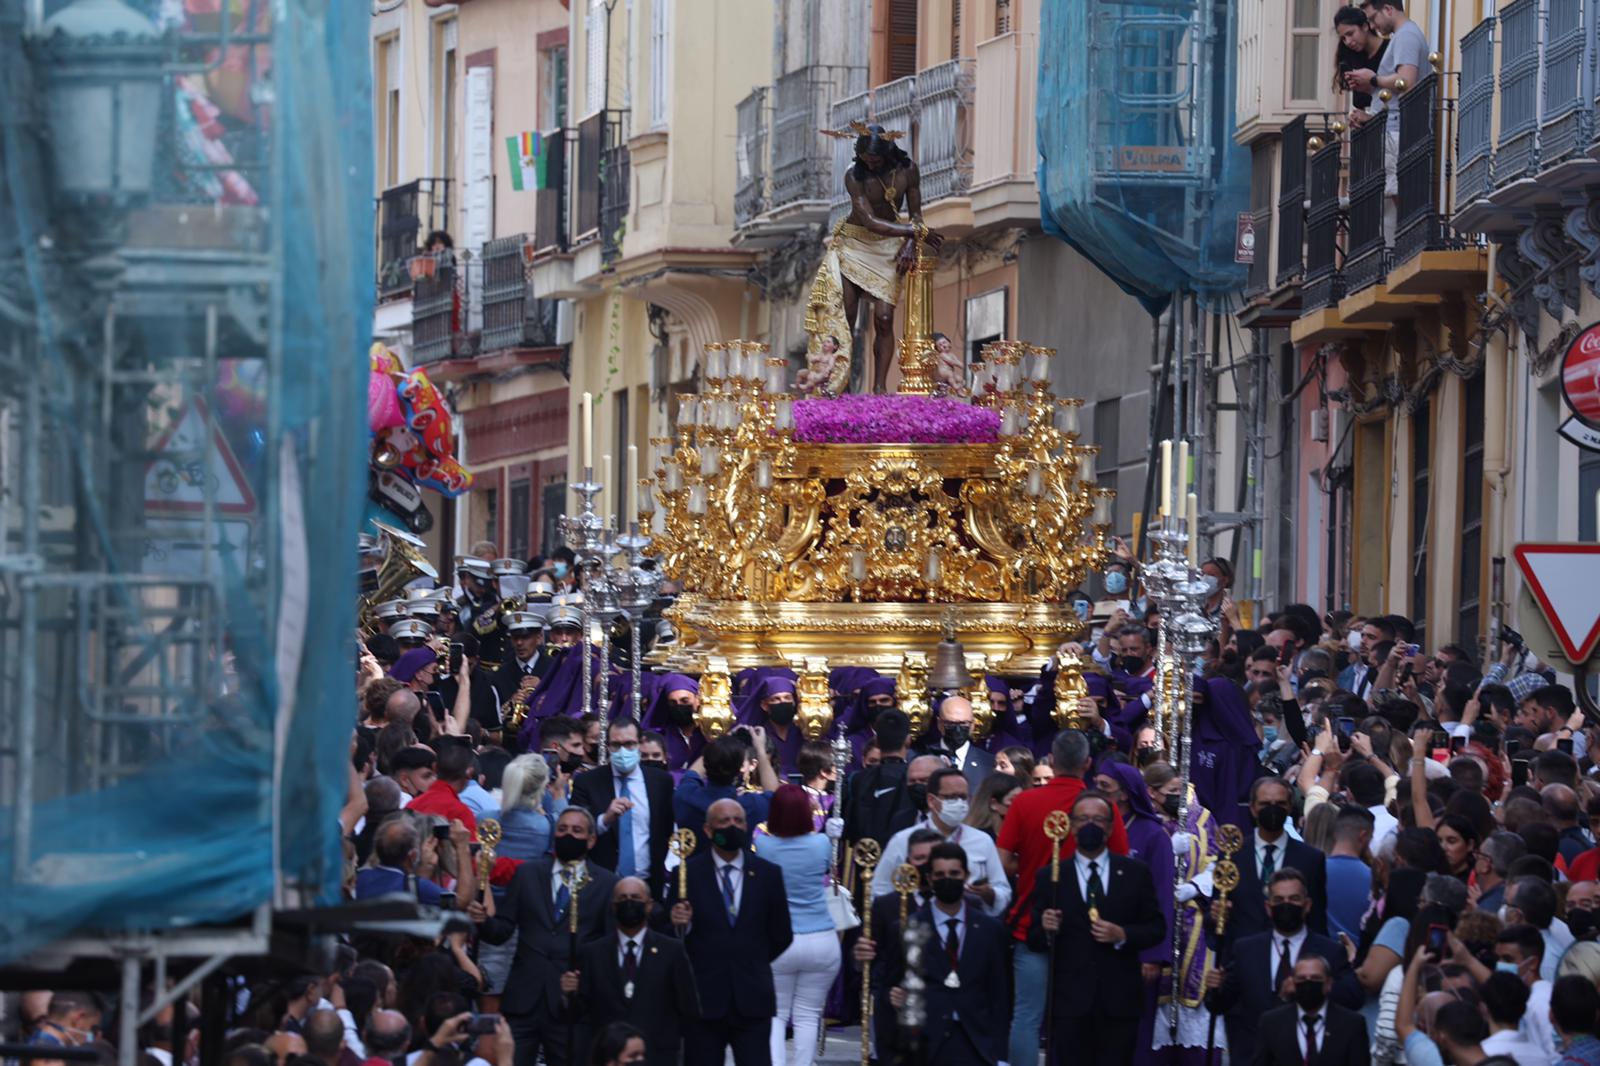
[
  {"x": 1368, "y": 259},
  {"x": 1474, "y": 131},
  {"x": 512, "y": 316},
  {"x": 586, "y": 187},
  {"x": 615, "y": 185},
  {"x": 944, "y": 129},
  {"x": 1516, "y": 155},
  {"x": 438, "y": 300},
  {"x": 551, "y": 225},
  {"x": 1423, "y": 212},
  {"x": 406, "y": 214},
  {"x": 802, "y": 159},
  {"x": 1324, "y": 285},
  {"x": 1566, "y": 116},
  {"x": 750, "y": 191},
  {"x": 1291, "y": 204}
]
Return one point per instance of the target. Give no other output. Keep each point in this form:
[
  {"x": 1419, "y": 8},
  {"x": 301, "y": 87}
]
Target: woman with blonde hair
[{"x": 528, "y": 812}]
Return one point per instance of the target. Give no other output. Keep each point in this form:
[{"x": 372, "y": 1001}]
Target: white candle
[
  {"x": 763, "y": 473},
  {"x": 631, "y": 497},
  {"x": 588, "y": 430},
  {"x": 1194, "y": 529},
  {"x": 605, "y": 491},
  {"x": 710, "y": 460},
  {"x": 1166, "y": 477},
  {"x": 858, "y": 565},
  {"x": 934, "y": 568},
  {"x": 647, "y": 501},
  {"x": 1102, "y": 509}
]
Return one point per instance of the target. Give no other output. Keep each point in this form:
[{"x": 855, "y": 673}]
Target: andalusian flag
[{"x": 530, "y": 164}]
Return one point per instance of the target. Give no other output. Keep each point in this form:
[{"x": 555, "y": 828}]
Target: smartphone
[
  {"x": 441, "y": 833},
  {"x": 483, "y": 1024},
  {"x": 1513, "y": 745},
  {"x": 1286, "y": 654},
  {"x": 552, "y": 759},
  {"x": 1519, "y": 771},
  {"x": 1564, "y": 745},
  {"x": 1459, "y": 744},
  {"x": 447, "y": 901},
  {"x": 457, "y": 650},
  {"x": 1438, "y": 936},
  {"x": 1346, "y": 726}
]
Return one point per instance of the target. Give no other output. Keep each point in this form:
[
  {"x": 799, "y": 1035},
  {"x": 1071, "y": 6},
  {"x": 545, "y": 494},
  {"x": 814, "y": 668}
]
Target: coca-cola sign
[{"x": 1580, "y": 384}]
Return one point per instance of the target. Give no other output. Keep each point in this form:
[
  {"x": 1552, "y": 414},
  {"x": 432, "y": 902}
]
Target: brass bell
[{"x": 949, "y": 671}]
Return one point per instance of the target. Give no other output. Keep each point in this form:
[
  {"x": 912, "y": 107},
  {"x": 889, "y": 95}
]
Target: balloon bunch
[{"x": 411, "y": 426}]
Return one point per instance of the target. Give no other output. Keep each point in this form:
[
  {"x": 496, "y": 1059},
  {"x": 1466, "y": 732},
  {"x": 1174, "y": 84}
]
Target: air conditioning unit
[{"x": 564, "y": 314}]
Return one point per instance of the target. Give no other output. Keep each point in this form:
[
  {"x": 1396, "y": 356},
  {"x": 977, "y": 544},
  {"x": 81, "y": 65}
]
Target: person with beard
[
  {"x": 536, "y": 908},
  {"x": 672, "y": 714},
  {"x": 632, "y": 806},
  {"x": 1100, "y": 915},
  {"x": 1312, "y": 1028},
  {"x": 1270, "y": 849},
  {"x": 1257, "y": 970},
  {"x": 952, "y": 737},
  {"x": 737, "y": 921},
  {"x": 638, "y": 976},
  {"x": 770, "y": 702}
]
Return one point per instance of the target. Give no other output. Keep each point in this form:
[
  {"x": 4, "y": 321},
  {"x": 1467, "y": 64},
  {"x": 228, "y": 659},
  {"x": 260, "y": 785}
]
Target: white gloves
[
  {"x": 1187, "y": 891},
  {"x": 834, "y": 827},
  {"x": 1180, "y": 844}
]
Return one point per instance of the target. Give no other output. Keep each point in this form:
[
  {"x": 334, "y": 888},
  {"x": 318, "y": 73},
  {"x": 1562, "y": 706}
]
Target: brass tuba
[{"x": 403, "y": 563}]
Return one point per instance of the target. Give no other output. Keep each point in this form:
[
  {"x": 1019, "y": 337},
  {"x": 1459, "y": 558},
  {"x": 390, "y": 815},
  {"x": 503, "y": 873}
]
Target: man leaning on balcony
[{"x": 1399, "y": 69}]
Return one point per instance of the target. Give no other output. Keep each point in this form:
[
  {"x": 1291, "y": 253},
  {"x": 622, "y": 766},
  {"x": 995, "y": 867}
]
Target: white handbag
[{"x": 841, "y": 908}]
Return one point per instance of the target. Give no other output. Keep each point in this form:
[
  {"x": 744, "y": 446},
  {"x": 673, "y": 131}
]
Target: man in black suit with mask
[
  {"x": 1269, "y": 850},
  {"x": 1312, "y": 1028},
  {"x": 538, "y": 908},
  {"x": 737, "y": 917},
  {"x": 637, "y": 976},
  {"x": 1102, "y": 914},
  {"x": 952, "y": 737},
  {"x": 1256, "y": 973}
]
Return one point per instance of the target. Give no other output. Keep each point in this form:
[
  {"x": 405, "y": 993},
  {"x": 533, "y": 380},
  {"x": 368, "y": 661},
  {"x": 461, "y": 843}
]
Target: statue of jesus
[{"x": 869, "y": 250}]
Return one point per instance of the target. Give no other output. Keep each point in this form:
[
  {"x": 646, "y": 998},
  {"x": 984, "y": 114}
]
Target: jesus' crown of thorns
[{"x": 861, "y": 129}]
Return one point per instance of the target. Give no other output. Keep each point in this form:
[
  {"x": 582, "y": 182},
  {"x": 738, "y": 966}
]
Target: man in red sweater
[{"x": 1025, "y": 851}]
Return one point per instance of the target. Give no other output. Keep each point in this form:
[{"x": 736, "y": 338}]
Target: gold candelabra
[{"x": 715, "y": 716}]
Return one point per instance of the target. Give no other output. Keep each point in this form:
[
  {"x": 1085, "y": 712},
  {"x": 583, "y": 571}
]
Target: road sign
[
  {"x": 1563, "y": 579},
  {"x": 196, "y": 458}
]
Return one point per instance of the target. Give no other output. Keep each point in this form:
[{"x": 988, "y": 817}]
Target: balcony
[
  {"x": 614, "y": 187},
  {"x": 1516, "y": 154},
  {"x": 438, "y": 298},
  {"x": 1324, "y": 284},
  {"x": 1005, "y": 143},
  {"x": 843, "y": 112},
  {"x": 801, "y": 158},
  {"x": 1291, "y": 204},
  {"x": 1566, "y": 116},
  {"x": 1367, "y": 260},
  {"x": 1474, "y": 129},
  {"x": 512, "y": 316},
  {"x": 944, "y": 130},
  {"x": 550, "y": 203},
  {"x": 750, "y": 158},
  {"x": 407, "y": 213},
  {"x": 1429, "y": 257}
]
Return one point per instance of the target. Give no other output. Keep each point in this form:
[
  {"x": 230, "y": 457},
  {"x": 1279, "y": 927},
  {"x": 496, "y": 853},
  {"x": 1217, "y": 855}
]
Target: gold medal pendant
[{"x": 952, "y": 981}]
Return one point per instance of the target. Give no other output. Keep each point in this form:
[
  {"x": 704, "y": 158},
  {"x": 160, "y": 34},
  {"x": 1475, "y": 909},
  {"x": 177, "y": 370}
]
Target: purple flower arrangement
[{"x": 865, "y": 419}]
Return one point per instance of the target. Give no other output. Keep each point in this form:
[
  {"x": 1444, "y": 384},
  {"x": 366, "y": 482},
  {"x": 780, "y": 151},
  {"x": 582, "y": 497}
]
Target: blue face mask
[
  {"x": 625, "y": 760},
  {"x": 1116, "y": 583},
  {"x": 1269, "y": 736},
  {"x": 560, "y": 569},
  {"x": 1506, "y": 967}
]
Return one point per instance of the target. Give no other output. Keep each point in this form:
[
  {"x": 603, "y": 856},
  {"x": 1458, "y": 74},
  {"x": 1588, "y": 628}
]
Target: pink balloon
[{"x": 383, "y": 403}]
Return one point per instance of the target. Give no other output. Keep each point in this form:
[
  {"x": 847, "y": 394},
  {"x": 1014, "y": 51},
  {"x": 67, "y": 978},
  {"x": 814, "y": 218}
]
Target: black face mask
[
  {"x": 948, "y": 889},
  {"x": 571, "y": 764},
  {"x": 919, "y": 796},
  {"x": 1272, "y": 817},
  {"x": 571, "y": 849},
  {"x": 956, "y": 735},
  {"x": 1131, "y": 664},
  {"x": 1582, "y": 923},
  {"x": 1170, "y": 804},
  {"x": 1091, "y": 838},
  {"x": 730, "y": 838},
  {"x": 1288, "y": 918},
  {"x": 681, "y": 714},
  {"x": 1311, "y": 995},
  {"x": 781, "y": 713},
  {"x": 630, "y": 913}
]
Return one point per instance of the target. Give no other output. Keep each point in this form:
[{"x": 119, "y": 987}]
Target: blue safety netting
[
  {"x": 1138, "y": 167},
  {"x": 183, "y": 361}
]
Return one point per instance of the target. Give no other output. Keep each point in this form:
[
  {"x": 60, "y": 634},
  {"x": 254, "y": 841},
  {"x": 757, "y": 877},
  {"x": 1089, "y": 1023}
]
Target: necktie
[
  {"x": 563, "y": 894},
  {"x": 625, "y": 859},
  {"x": 1269, "y": 866},
  {"x": 1285, "y": 967},
  {"x": 1311, "y": 1039},
  {"x": 727, "y": 892},
  {"x": 952, "y": 943},
  {"x": 630, "y": 961},
  {"x": 1096, "y": 887},
  {"x": 527, "y": 669}
]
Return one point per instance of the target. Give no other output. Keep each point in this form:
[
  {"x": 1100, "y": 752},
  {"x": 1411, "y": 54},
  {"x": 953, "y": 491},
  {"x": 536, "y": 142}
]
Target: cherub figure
[
  {"x": 820, "y": 364},
  {"x": 950, "y": 370}
]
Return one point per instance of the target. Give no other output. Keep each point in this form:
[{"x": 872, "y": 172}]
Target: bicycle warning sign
[{"x": 193, "y": 462}]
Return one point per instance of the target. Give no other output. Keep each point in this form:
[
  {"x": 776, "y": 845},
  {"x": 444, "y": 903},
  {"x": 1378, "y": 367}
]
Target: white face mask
[
  {"x": 953, "y": 811},
  {"x": 1353, "y": 639}
]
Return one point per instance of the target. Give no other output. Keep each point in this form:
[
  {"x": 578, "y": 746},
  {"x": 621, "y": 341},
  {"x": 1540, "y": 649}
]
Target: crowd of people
[{"x": 1411, "y": 839}]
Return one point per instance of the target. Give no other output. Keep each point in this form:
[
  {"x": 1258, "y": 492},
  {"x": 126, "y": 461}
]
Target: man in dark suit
[
  {"x": 1311, "y": 1029},
  {"x": 632, "y": 806},
  {"x": 963, "y": 962},
  {"x": 886, "y": 930},
  {"x": 538, "y": 908},
  {"x": 876, "y": 796},
  {"x": 637, "y": 976},
  {"x": 1267, "y": 851},
  {"x": 952, "y": 737},
  {"x": 1102, "y": 914},
  {"x": 737, "y": 917},
  {"x": 1256, "y": 973},
  {"x": 525, "y": 661}
]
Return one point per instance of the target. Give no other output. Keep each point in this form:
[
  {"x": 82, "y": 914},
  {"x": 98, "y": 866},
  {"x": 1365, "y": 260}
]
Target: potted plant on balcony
[{"x": 422, "y": 266}]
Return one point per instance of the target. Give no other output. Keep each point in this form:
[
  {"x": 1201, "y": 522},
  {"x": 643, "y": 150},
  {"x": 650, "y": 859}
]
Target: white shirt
[
  {"x": 983, "y": 861},
  {"x": 1322, "y": 1028},
  {"x": 1512, "y": 1043},
  {"x": 637, "y": 940},
  {"x": 1295, "y": 942},
  {"x": 1277, "y": 853},
  {"x": 1535, "y": 1027},
  {"x": 1102, "y": 863},
  {"x": 960, "y": 755},
  {"x": 1557, "y": 939},
  {"x": 737, "y": 865},
  {"x": 638, "y": 818},
  {"x": 1384, "y": 825}
]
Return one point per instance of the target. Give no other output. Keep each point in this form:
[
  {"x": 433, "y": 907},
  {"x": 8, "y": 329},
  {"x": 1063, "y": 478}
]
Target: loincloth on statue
[{"x": 866, "y": 258}]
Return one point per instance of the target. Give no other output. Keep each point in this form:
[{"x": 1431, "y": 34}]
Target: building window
[
  {"x": 986, "y": 322},
  {"x": 1421, "y": 444},
  {"x": 660, "y": 62},
  {"x": 1469, "y": 614},
  {"x": 1002, "y": 17},
  {"x": 596, "y": 57},
  {"x": 486, "y": 515},
  {"x": 902, "y": 40},
  {"x": 519, "y": 519},
  {"x": 552, "y": 506},
  {"x": 387, "y": 79},
  {"x": 1307, "y": 42},
  {"x": 444, "y": 98},
  {"x": 553, "y": 89}
]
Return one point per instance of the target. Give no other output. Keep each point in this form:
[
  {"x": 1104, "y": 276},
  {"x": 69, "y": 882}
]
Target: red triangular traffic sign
[{"x": 1564, "y": 580}]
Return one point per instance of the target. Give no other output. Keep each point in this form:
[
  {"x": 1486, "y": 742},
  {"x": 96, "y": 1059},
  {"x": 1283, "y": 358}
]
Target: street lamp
[{"x": 100, "y": 65}]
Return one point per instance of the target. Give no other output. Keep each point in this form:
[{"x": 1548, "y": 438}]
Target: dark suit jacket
[
  {"x": 982, "y": 968},
  {"x": 886, "y": 934},
  {"x": 594, "y": 790},
  {"x": 733, "y": 961},
  {"x": 544, "y": 940},
  {"x": 873, "y": 798},
  {"x": 1248, "y": 915},
  {"x": 664, "y": 998},
  {"x": 977, "y": 765},
  {"x": 1091, "y": 977},
  {"x": 1341, "y": 1038},
  {"x": 1247, "y": 992}
]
